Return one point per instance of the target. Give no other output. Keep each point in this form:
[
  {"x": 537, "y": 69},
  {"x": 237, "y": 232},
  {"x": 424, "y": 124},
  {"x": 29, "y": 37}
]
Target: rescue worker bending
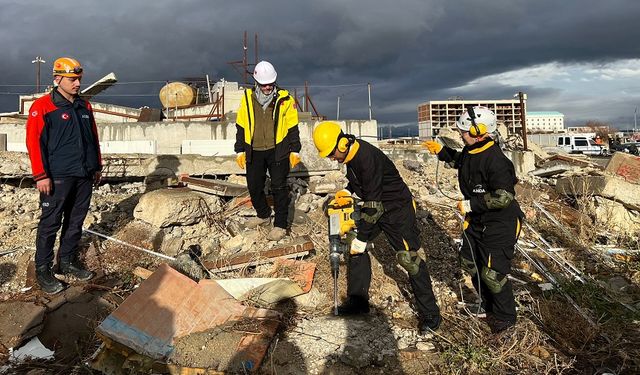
[{"x": 388, "y": 207}]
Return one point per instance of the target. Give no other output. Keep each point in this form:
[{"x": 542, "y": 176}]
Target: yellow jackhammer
[{"x": 343, "y": 214}]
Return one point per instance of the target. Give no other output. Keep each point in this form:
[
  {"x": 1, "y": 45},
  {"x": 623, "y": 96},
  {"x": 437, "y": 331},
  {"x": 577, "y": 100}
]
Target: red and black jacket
[{"x": 62, "y": 138}]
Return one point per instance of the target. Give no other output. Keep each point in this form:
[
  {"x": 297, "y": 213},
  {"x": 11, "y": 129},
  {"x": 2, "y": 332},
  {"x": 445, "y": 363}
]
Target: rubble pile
[{"x": 576, "y": 277}]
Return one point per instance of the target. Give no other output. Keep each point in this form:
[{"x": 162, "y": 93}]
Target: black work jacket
[
  {"x": 374, "y": 177},
  {"x": 483, "y": 168}
]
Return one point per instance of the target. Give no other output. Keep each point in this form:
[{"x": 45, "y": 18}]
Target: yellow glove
[
  {"x": 464, "y": 207},
  {"x": 357, "y": 247},
  {"x": 294, "y": 159},
  {"x": 433, "y": 147},
  {"x": 241, "y": 159}
]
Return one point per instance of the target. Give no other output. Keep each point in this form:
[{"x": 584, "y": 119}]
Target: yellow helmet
[
  {"x": 325, "y": 137},
  {"x": 67, "y": 67}
]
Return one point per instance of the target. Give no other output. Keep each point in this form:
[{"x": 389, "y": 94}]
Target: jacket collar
[
  {"x": 481, "y": 146},
  {"x": 60, "y": 101}
]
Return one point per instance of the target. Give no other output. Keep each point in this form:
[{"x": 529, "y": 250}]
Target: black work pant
[
  {"x": 494, "y": 252},
  {"x": 67, "y": 206},
  {"x": 261, "y": 161},
  {"x": 399, "y": 226}
]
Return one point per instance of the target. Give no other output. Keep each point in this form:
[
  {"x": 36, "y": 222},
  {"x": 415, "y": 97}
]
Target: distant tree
[{"x": 602, "y": 129}]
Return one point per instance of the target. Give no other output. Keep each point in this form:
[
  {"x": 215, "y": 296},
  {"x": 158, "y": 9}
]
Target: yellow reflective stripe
[
  {"x": 489, "y": 265},
  {"x": 518, "y": 227},
  {"x": 465, "y": 225},
  {"x": 415, "y": 209},
  {"x": 480, "y": 149},
  {"x": 406, "y": 245}
]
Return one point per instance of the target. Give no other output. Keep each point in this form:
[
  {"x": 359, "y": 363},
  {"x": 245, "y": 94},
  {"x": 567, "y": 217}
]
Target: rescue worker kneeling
[
  {"x": 492, "y": 215},
  {"x": 388, "y": 207}
]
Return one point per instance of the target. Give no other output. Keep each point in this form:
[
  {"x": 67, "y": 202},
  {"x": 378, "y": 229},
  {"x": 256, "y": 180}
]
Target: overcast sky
[{"x": 579, "y": 57}]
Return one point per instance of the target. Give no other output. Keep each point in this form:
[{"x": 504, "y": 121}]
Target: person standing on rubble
[
  {"x": 492, "y": 216},
  {"x": 388, "y": 207},
  {"x": 267, "y": 139},
  {"x": 62, "y": 140}
]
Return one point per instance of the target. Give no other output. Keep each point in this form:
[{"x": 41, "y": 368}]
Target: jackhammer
[{"x": 343, "y": 214}]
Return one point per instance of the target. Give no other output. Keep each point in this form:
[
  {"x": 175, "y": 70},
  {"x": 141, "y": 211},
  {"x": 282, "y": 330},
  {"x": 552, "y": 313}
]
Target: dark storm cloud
[{"x": 410, "y": 50}]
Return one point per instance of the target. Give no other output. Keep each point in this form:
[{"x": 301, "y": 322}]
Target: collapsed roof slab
[{"x": 614, "y": 188}]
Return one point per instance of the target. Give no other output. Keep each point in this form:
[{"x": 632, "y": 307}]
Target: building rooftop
[{"x": 544, "y": 113}]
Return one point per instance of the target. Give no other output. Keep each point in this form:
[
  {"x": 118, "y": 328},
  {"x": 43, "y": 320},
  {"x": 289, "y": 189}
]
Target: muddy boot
[
  {"x": 276, "y": 234},
  {"x": 254, "y": 222},
  {"x": 354, "y": 306},
  {"x": 48, "y": 283},
  {"x": 71, "y": 266}
]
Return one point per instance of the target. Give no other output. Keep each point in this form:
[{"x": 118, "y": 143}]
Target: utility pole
[
  {"x": 369, "y": 91},
  {"x": 338, "y": 111},
  {"x": 38, "y": 61},
  {"x": 635, "y": 119},
  {"x": 523, "y": 119}
]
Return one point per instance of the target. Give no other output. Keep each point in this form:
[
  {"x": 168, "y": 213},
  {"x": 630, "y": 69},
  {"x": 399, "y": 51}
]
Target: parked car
[{"x": 581, "y": 144}]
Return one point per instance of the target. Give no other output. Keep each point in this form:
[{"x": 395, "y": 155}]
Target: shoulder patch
[{"x": 34, "y": 113}]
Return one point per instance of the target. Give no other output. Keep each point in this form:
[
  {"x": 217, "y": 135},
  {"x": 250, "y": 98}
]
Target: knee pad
[
  {"x": 494, "y": 280},
  {"x": 409, "y": 260},
  {"x": 468, "y": 265}
]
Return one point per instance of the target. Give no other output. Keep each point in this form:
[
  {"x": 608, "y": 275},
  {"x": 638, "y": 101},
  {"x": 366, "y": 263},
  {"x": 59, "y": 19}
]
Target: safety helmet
[
  {"x": 67, "y": 67},
  {"x": 264, "y": 73},
  {"x": 325, "y": 137},
  {"x": 484, "y": 121}
]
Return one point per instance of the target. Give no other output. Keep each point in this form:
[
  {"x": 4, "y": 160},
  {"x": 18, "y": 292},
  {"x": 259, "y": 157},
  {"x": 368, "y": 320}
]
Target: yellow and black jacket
[
  {"x": 484, "y": 172},
  {"x": 285, "y": 117}
]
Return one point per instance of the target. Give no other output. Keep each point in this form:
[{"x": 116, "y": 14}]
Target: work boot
[
  {"x": 48, "y": 283},
  {"x": 276, "y": 234},
  {"x": 254, "y": 222},
  {"x": 499, "y": 325},
  {"x": 74, "y": 268},
  {"x": 428, "y": 324},
  {"x": 354, "y": 306}
]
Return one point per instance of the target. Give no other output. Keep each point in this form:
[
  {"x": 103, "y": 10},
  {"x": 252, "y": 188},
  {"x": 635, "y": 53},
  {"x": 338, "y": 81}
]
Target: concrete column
[{"x": 3, "y": 142}]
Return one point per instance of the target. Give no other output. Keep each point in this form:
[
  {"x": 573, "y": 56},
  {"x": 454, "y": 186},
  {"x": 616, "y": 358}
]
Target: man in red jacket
[{"x": 62, "y": 140}]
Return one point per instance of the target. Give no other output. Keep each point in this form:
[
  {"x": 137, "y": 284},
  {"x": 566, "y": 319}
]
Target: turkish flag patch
[
  {"x": 65, "y": 116},
  {"x": 34, "y": 113}
]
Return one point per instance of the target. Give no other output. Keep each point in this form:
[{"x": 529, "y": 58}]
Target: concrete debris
[
  {"x": 626, "y": 166},
  {"x": 450, "y": 137},
  {"x": 614, "y": 188},
  {"x": 217, "y": 187},
  {"x": 167, "y": 207}
]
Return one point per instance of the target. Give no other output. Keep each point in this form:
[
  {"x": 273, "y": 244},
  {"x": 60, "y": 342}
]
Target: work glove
[
  {"x": 241, "y": 159},
  {"x": 294, "y": 159},
  {"x": 357, "y": 247},
  {"x": 464, "y": 207},
  {"x": 433, "y": 147}
]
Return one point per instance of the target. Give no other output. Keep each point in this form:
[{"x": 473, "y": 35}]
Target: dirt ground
[{"x": 587, "y": 326}]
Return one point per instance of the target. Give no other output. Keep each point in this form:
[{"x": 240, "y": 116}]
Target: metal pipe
[{"x": 128, "y": 244}]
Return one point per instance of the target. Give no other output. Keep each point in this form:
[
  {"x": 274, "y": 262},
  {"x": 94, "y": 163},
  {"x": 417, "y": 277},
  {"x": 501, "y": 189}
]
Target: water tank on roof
[{"x": 177, "y": 94}]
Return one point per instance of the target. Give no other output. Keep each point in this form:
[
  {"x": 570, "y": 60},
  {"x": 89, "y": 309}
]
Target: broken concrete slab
[
  {"x": 217, "y": 187},
  {"x": 171, "y": 318},
  {"x": 613, "y": 215},
  {"x": 165, "y": 207},
  {"x": 20, "y": 322},
  {"x": 626, "y": 166},
  {"x": 297, "y": 248},
  {"x": 614, "y": 188}
]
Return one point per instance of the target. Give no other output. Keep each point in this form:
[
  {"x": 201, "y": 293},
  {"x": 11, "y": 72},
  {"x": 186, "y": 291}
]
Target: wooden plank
[{"x": 298, "y": 248}]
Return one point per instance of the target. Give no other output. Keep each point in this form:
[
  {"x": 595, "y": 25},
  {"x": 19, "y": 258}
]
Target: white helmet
[
  {"x": 264, "y": 73},
  {"x": 485, "y": 121}
]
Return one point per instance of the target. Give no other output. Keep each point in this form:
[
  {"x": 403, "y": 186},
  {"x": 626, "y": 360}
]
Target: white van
[{"x": 580, "y": 144}]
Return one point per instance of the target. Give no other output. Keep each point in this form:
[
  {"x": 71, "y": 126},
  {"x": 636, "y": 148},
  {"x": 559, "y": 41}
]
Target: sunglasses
[
  {"x": 267, "y": 84},
  {"x": 76, "y": 70}
]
